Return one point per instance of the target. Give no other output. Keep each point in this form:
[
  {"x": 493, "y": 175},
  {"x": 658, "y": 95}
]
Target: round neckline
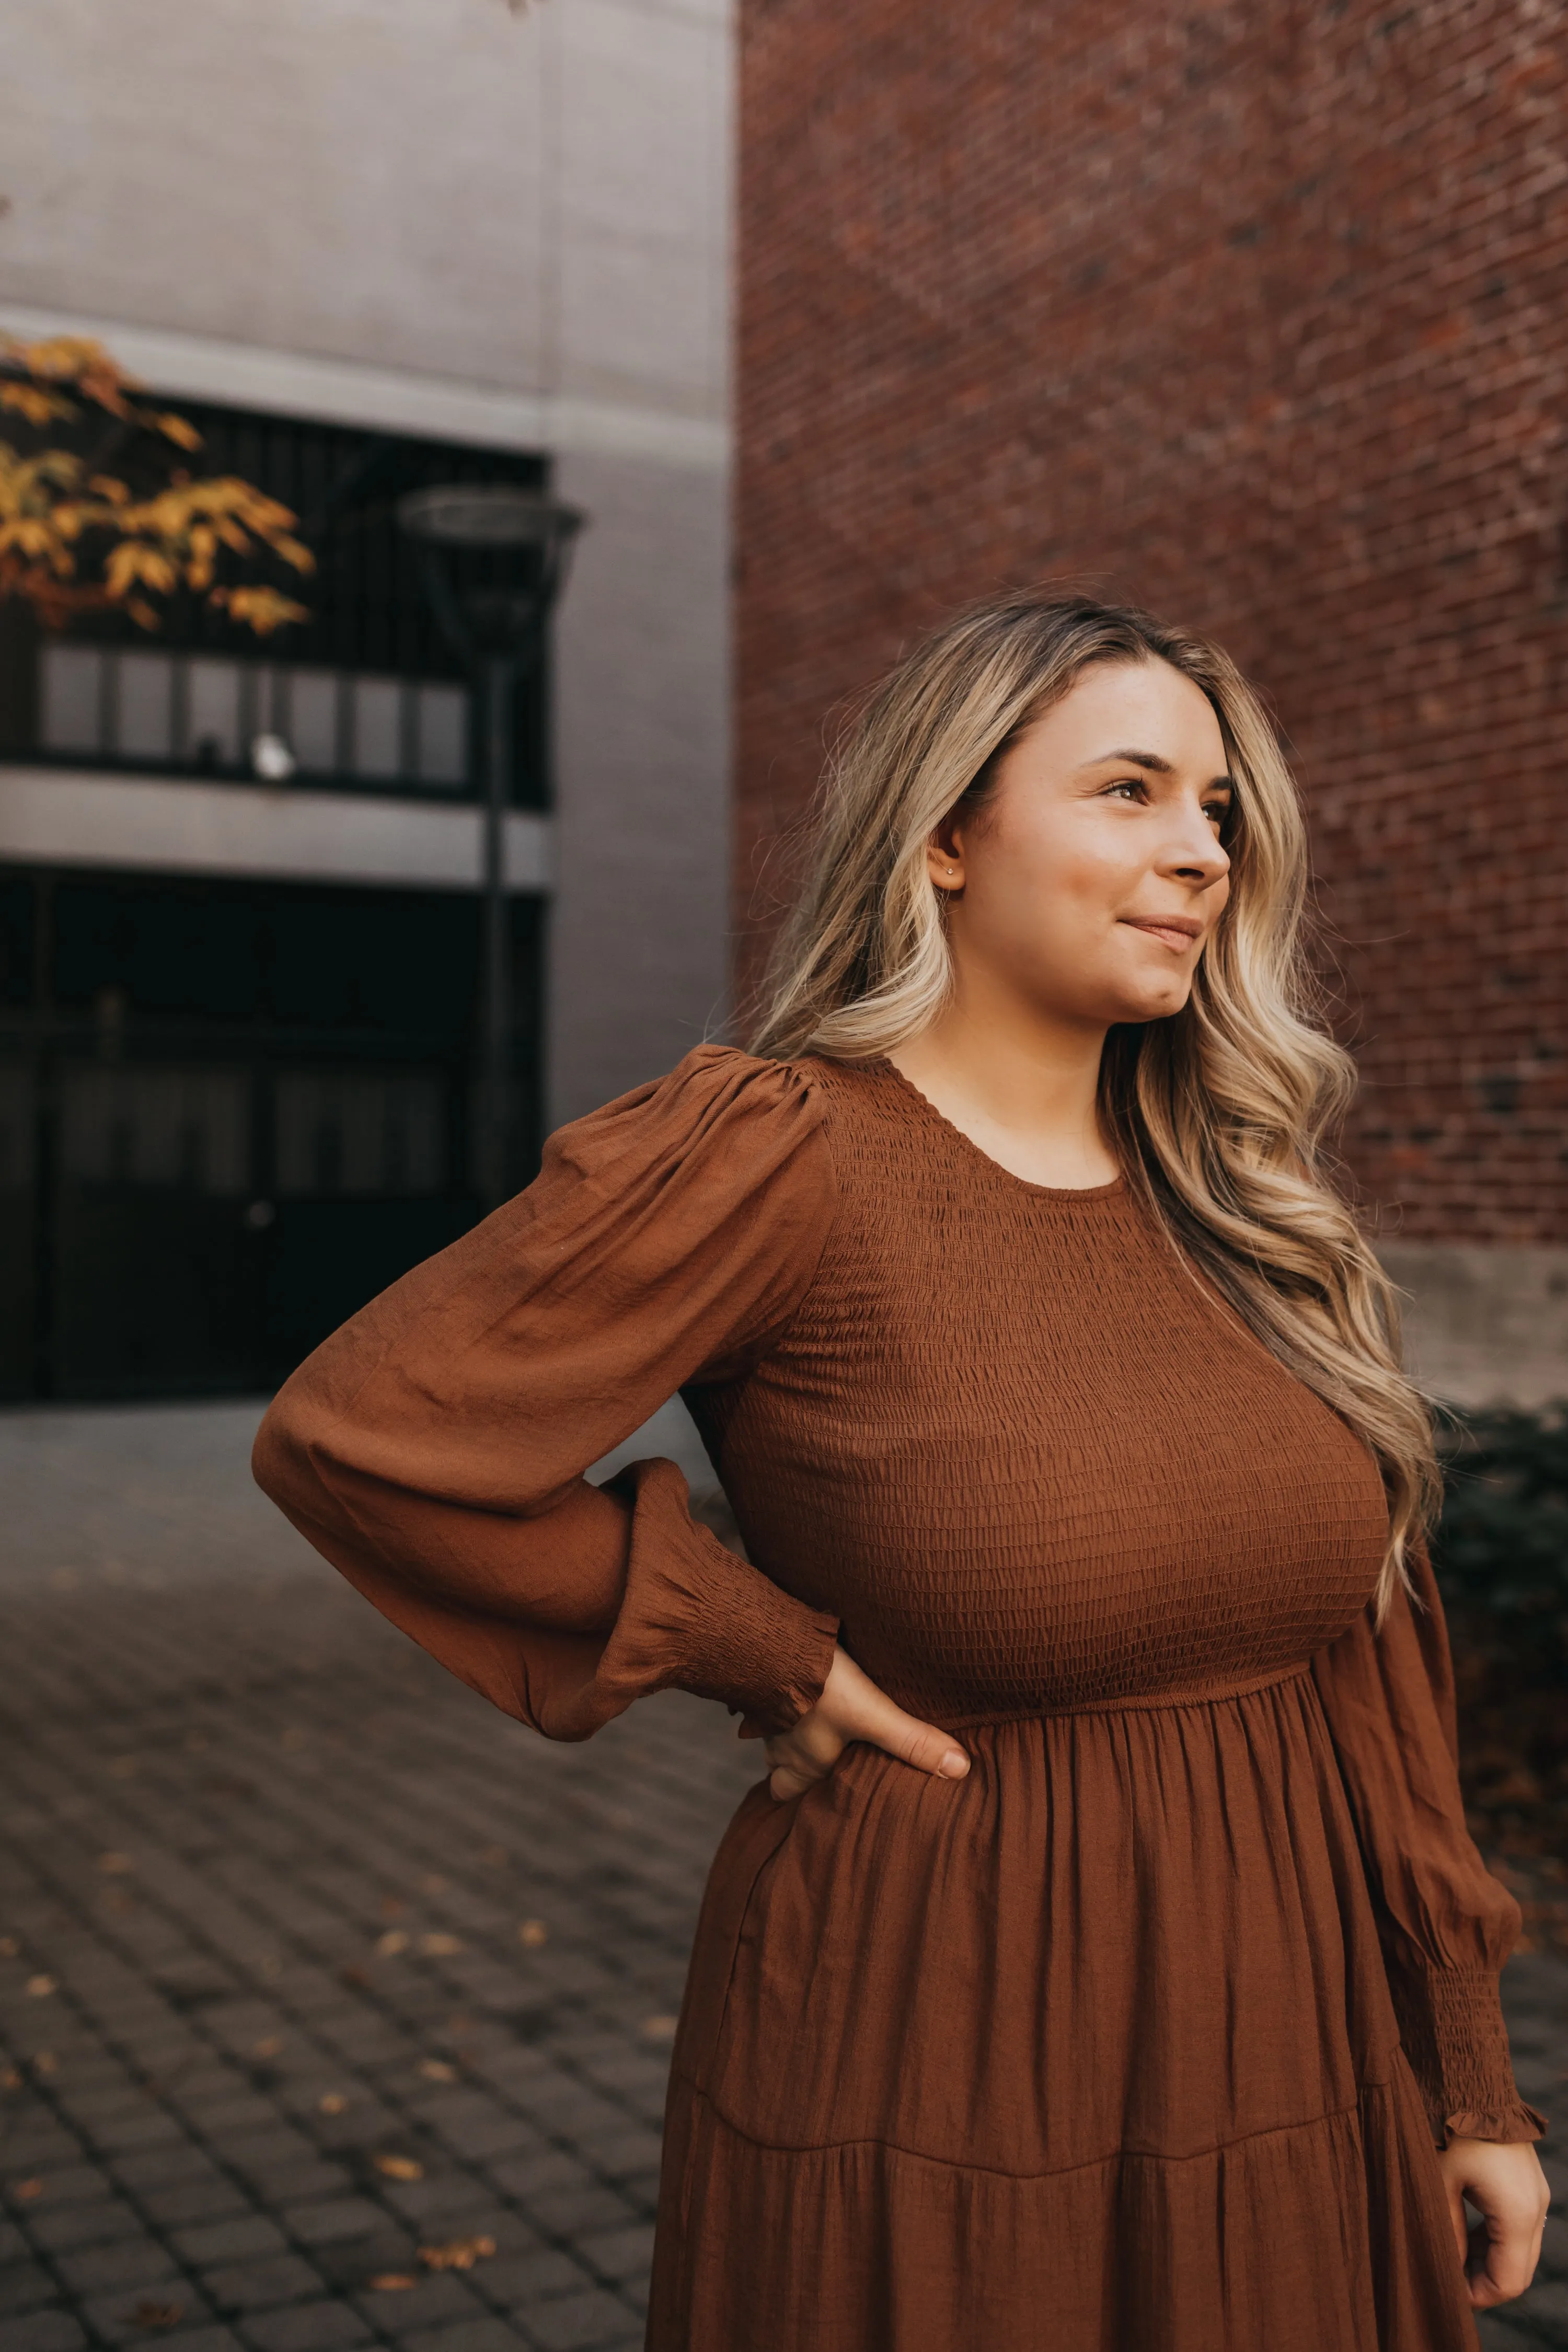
[{"x": 924, "y": 1103}]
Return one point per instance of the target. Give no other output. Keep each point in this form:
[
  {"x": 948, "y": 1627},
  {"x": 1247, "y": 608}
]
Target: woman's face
[{"x": 1089, "y": 883}]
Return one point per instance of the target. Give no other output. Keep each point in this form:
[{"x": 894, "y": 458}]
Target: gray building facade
[{"x": 499, "y": 227}]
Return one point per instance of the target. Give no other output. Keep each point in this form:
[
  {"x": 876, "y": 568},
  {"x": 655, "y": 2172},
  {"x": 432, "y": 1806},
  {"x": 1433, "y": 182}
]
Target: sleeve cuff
[
  {"x": 696, "y": 1618},
  {"x": 1451, "y": 2024}
]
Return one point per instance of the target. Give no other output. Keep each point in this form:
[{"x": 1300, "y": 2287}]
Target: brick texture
[{"x": 1259, "y": 315}]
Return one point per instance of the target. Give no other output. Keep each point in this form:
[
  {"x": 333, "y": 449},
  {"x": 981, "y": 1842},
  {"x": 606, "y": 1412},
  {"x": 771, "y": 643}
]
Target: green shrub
[{"x": 1501, "y": 1546}]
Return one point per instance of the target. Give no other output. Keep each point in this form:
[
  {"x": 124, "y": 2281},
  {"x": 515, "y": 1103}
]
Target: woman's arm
[
  {"x": 432, "y": 1449},
  {"x": 1446, "y": 1924}
]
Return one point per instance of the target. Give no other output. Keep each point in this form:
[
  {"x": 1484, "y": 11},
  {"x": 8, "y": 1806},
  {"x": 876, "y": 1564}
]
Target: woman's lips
[{"x": 1177, "y": 931}]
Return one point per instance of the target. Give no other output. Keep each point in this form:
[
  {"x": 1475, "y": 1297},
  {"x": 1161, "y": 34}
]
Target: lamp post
[{"x": 497, "y": 633}]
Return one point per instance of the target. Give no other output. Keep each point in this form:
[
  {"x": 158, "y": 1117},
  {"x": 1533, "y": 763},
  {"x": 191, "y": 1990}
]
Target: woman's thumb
[{"x": 919, "y": 1744}]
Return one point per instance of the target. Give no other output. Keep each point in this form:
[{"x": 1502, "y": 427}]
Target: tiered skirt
[{"x": 1091, "y": 2051}]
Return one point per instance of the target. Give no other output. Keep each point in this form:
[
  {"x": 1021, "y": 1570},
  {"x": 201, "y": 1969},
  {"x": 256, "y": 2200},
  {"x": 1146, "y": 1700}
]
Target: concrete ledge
[
  {"x": 1484, "y": 1326},
  {"x": 68, "y": 817},
  {"x": 391, "y": 400}
]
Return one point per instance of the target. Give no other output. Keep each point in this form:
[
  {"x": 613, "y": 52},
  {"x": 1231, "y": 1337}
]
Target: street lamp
[{"x": 497, "y": 633}]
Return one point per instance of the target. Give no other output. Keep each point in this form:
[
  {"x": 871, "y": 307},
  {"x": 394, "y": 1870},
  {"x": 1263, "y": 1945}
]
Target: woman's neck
[{"x": 1024, "y": 1090}]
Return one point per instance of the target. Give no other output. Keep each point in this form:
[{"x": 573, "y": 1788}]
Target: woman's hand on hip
[
  {"x": 852, "y": 1707},
  {"x": 1506, "y": 2184}
]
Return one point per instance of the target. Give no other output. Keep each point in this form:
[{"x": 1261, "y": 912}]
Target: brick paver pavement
[{"x": 314, "y": 1970}]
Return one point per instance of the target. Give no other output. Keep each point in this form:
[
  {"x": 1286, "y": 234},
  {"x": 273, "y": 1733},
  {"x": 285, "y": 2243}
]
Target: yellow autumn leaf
[
  {"x": 67, "y": 357},
  {"x": 28, "y": 534},
  {"x": 76, "y": 514},
  {"x": 178, "y": 429},
  {"x": 78, "y": 360},
  {"x": 132, "y": 562},
  {"x": 200, "y": 569},
  {"x": 261, "y": 609},
  {"x": 400, "y": 2168},
  {"x": 458, "y": 2253},
  {"x": 39, "y": 406}
]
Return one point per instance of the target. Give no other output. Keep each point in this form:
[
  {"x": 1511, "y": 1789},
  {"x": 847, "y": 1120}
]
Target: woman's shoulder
[{"x": 740, "y": 1115}]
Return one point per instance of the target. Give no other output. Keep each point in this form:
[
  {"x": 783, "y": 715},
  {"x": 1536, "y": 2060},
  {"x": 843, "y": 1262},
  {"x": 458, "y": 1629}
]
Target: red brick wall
[{"x": 1259, "y": 314}]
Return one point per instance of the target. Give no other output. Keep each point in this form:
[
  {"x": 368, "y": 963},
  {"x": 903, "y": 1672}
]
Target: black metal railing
[{"x": 365, "y": 695}]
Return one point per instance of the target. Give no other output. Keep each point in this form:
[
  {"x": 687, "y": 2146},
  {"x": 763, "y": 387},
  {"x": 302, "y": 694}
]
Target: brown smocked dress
[{"x": 1142, "y": 2035}]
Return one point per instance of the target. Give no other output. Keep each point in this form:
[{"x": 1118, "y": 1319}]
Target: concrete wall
[
  {"x": 1484, "y": 1326},
  {"x": 500, "y": 223}
]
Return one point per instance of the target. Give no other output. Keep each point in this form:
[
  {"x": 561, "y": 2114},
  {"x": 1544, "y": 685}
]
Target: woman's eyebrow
[
  {"x": 1157, "y": 766},
  {"x": 1134, "y": 759}
]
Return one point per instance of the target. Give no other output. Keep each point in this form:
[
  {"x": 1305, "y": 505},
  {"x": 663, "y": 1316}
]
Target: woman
[{"x": 1104, "y": 1962}]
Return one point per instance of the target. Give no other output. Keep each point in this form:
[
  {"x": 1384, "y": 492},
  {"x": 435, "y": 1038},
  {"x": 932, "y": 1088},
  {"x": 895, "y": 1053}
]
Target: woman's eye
[
  {"x": 1217, "y": 813},
  {"x": 1132, "y": 786}
]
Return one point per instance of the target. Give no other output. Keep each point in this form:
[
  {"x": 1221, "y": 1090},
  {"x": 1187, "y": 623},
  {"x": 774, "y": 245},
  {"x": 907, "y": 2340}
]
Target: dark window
[
  {"x": 231, "y": 1110},
  {"x": 366, "y": 694}
]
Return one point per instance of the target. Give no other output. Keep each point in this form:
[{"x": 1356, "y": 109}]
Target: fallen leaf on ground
[
  {"x": 393, "y": 1942},
  {"x": 26, "y": 2190},
  {"x": 152, "y": 2314},
  {"x": 44, "y": 2063},
  {"x": 332, "y": 2103},
  {"x": 434, "y": 1883},
  {"x": 436, "y": 2070},
  {"x": 358, "y": 1979},
  {"x": 9, "y": 1948},
  {"x": 400, "y": 2168},
  {"x": 10, "y": 2080},
  {"x": 458, "y": 2253},
  {"x": 533, "y": 1932},
  {"x": 391, "y": 2283},
  {"x": 392, "y": 1906},
  {"x": 659, "y": 2028},
  {"x": 440, "y": 1948},
  {"x": 40, "y": 1988},
  {"x": 269, "y": 2048},
  {"x": 115, "y": 1862}
]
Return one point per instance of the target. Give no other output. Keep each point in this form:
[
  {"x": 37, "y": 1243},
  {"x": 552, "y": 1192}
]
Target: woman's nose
[{"x": 1196, "y": 852}]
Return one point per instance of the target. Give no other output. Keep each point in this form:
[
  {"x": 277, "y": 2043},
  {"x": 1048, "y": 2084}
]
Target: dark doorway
[{"x": 230, "y": 1113}]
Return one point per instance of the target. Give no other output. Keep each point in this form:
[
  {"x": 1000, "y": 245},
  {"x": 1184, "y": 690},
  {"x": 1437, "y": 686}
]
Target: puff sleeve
[
  {"x": 434, "y": 1448},
  {"x": 1446, "y": 1925}
]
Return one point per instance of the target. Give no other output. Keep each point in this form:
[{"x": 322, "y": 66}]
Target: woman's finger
[
  {"x": 1504, "y": 2247},
  {"x": 807, "y": 1752},
  {"x": 1458, "y": 2220}
]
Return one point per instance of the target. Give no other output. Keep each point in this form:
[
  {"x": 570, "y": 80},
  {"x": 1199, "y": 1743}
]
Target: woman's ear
[{"x": 944, "y": 855}]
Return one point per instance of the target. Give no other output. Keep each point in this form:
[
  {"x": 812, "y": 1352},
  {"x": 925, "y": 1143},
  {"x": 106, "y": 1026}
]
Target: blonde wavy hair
[{"x": 1223, "y": 1115}]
